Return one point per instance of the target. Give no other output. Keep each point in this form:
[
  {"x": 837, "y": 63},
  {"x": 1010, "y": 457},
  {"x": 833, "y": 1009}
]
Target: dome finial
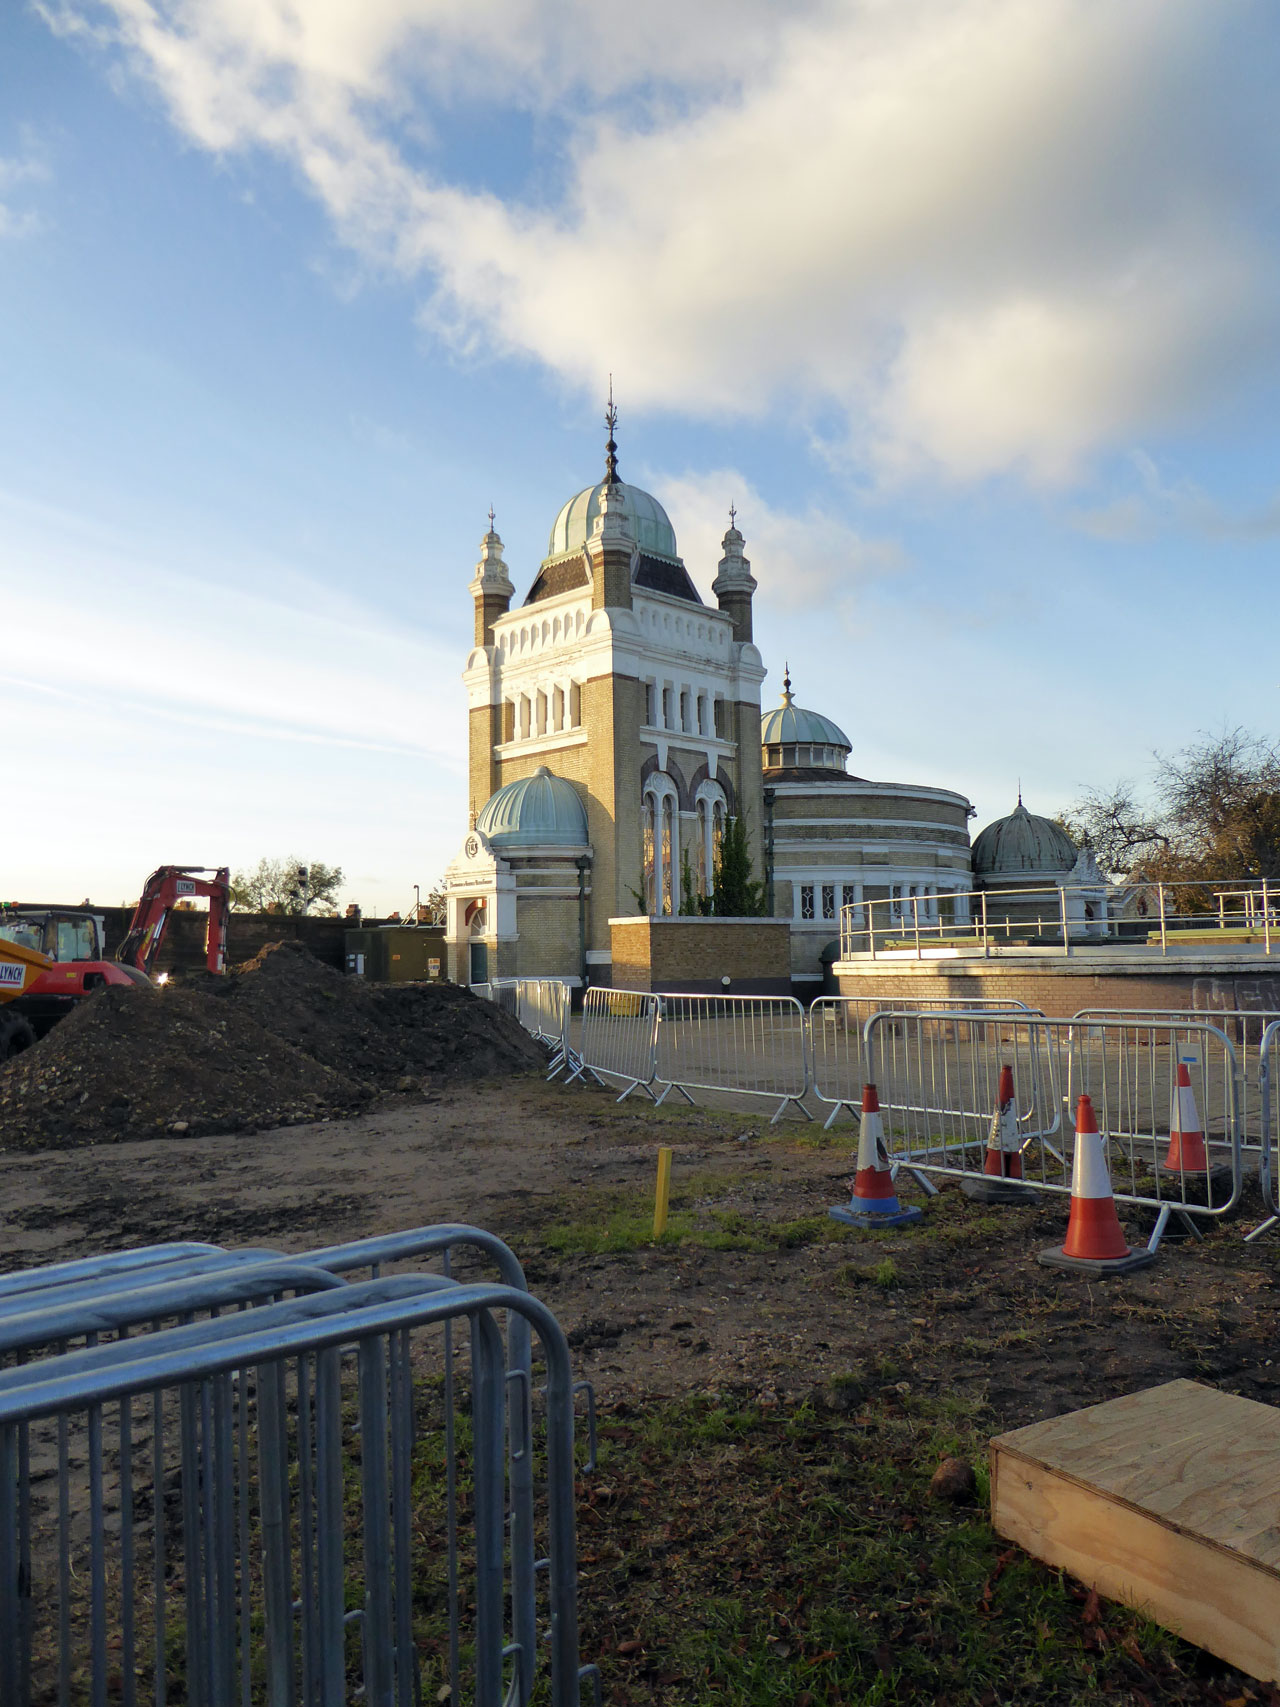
[
  {"x": 733, "y": 516},
  {"x": 611, "y": 447},
  {"x": 786, "y": 684},
  {"x": 491, "y": 518},
  {"x": 1019, "y": 791}
]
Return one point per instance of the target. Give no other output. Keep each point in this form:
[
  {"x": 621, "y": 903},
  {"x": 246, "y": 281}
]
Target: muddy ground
[
  {"x": 763, "y": 1295},
  {"x": 776, "y": 1391}
]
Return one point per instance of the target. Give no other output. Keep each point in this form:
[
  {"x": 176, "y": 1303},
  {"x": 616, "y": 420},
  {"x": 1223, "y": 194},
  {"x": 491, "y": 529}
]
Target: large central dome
[{"x": 650, "y": 524}]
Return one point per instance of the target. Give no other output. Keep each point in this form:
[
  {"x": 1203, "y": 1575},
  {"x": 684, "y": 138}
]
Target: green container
[{"x": 396, "y": 954}]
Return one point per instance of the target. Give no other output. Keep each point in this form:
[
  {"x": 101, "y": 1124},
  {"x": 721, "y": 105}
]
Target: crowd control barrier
[
  {"x": 257, "y": 1505},
  {"x": 938, "y": 1079},
  {"x": 836, "y": 1056},
  {"x": 1245, "y": 1028},
  {"x": 542, "y": 1007},
  {"x": 1269, "y": 1155},
  {"x": 747, "y": 1045},
  {"x": 619, "y": 1039}
]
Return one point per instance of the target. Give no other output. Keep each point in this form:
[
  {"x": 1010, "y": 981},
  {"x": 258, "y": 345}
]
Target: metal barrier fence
[
  {"x": 1245, "y": 1028},
  {"x": 260, "y": 1508},
  {"x": 542, "y": 1006},
  {"x": 619, "y": 1037},
  {"x": 837, "y": 1060},
  {"x": 748, "y": 1045},
  {"x": 1269, "y": 1157},
  {"x": 938, "y": 1078}
]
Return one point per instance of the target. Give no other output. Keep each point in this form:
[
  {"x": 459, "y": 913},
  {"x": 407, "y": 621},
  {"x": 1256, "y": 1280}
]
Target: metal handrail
[{"x": 1058, "y": 916}]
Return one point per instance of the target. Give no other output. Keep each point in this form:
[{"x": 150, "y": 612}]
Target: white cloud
[
  {"x": 990, "y": 234},
  {"x": 801, "y": 560},
  {"x": 17, "y": 173},
  {"x": 167, "y": 644}
]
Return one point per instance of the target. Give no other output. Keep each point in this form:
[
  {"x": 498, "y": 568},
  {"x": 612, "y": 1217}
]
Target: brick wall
[
  {"x": 696, "y": 955},
  {"x": 1063, "y": 990},
  {"x": 247, "y": 933}
]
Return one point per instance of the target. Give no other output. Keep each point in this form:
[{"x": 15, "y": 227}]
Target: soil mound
[
  {"x": 376, "y": 1033},
  {"x": 282, "y": 1038},
  {"x": 131, "y": 1064}
]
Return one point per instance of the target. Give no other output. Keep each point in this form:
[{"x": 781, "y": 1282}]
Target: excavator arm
[{"x": 162, "y": 890}]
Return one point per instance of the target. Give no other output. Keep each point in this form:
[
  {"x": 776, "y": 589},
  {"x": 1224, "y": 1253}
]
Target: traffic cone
[
  {"x": 1187, "y": 1153},
  {"x": 875, "y": 1199},
  {"x": 1095, "y": 1242},
  {"x": 1001, "y": 1177}
]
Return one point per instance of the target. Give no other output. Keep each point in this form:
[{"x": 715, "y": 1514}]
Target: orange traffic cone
[
  {"x": 1095, "y": 1242},
  {"x": 1001, "y": 1178},
  {"x": 875, "y": 1198},
  {"x": 1187, "y": 1153}
]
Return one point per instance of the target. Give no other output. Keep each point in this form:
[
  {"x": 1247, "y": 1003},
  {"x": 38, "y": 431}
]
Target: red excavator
[{"x": 72, "y": 938}]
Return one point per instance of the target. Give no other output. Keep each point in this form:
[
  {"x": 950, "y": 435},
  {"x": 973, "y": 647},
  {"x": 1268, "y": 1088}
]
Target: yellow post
[{"x": 663, "y": 1193}]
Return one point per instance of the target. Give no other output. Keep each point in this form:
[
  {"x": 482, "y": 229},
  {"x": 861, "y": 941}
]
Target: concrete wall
[
  {"x": 695, "y": 955},
  {"x": 1061, "y": 987}
]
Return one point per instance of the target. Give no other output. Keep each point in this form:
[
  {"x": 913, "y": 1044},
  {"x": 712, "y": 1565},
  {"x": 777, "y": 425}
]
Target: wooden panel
[{"x": 1168, "y": 1500}]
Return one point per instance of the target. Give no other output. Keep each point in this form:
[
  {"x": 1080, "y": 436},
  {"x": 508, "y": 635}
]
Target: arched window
[
  {"x": 649, "y": 883},
  {"x": 710, "y": 806},
  {"x": 667, "y": 866},
  {"x": 661, "y": 856}
]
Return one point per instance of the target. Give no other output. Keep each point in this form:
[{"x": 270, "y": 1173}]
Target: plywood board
[{"x": 1168, "y": 1500}]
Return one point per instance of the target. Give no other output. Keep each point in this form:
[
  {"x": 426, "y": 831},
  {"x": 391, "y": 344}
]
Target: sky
[{"x": 971, "y": 307}]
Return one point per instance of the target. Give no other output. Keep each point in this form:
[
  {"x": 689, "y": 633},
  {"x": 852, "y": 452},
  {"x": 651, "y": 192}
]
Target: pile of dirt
[
  {"x": 375, "y": 1033},
  {"x": 130, "y": 1063},
  {"x": 280, "y": 1040}
]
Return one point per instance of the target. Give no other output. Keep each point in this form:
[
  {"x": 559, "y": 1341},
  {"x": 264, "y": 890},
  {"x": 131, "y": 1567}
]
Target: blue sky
[{"x": 970, "y": 306}]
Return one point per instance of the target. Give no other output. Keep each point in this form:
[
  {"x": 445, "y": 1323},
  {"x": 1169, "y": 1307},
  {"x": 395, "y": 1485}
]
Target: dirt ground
[{"x": 763, "y": 1295}]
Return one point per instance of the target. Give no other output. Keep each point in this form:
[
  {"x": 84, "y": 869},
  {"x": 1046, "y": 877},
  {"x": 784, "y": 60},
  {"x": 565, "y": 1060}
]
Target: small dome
[
  {"x": 791, "y": 736},
  {"x": 541, "y": 810},
  {"x": 650, "y": 524},
  {"x": 789, "y": 722},
  {"x": 1022, "y": 842}
]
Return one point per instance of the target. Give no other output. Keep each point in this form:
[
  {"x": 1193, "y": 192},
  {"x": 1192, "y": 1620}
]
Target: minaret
[
  {"x": 492, "y": 591},
  {"x": 490, "y": 586},
  {"x": 734, "y": 584},
  {"x": 611, "y": 547}
]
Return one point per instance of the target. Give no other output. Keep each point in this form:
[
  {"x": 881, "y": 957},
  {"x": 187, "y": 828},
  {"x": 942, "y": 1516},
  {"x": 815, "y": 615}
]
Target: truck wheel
[{"x": 15, "y": 1035}]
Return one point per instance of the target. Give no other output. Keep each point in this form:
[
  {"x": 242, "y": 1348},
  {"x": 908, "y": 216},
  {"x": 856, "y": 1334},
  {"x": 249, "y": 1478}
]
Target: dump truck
[{"x": 20, "y": 966}]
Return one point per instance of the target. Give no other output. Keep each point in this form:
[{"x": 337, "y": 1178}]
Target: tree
[
  {"x": 1117, "y": 829},
  {"x": 734, "y": 893},
  {"x": 291, "y": 886},
  {"x": 1215, "y": 815}
]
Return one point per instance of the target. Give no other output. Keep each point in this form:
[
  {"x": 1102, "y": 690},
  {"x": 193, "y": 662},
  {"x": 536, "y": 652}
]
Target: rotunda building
[{"x": 838, "y": 841}]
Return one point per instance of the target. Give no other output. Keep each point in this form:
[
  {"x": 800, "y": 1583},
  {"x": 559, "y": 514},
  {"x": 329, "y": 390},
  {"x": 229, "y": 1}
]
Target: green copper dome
[
  {"x": 1022, "y": 842},
  {"x": 541, "y": 810},
  {"x": 790, "y": 723},
  {"x": 650, "y": 525}
]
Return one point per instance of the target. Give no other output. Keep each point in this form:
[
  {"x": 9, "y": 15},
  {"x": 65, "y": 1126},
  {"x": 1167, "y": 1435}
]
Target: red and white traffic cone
[
  {"x": 1187, "y": 1153},
  {"x": 1095, "y": 1242},
  {"x": 1001, "y": 1177},
  {"x": 875, "y": 1198}
]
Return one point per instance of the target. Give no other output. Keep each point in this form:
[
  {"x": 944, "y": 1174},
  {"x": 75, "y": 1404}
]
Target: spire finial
[
  {"x": 786, "y": 684},
  {"x": 611, "y": 447},
  {"x": 491, "y": 518},
  {"x": 733, "y": 516}
]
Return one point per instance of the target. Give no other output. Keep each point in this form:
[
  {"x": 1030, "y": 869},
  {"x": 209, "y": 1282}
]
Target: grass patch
[
  {"x": 611, "y": 1223},
  {"x": 751, "y": 1554}
]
